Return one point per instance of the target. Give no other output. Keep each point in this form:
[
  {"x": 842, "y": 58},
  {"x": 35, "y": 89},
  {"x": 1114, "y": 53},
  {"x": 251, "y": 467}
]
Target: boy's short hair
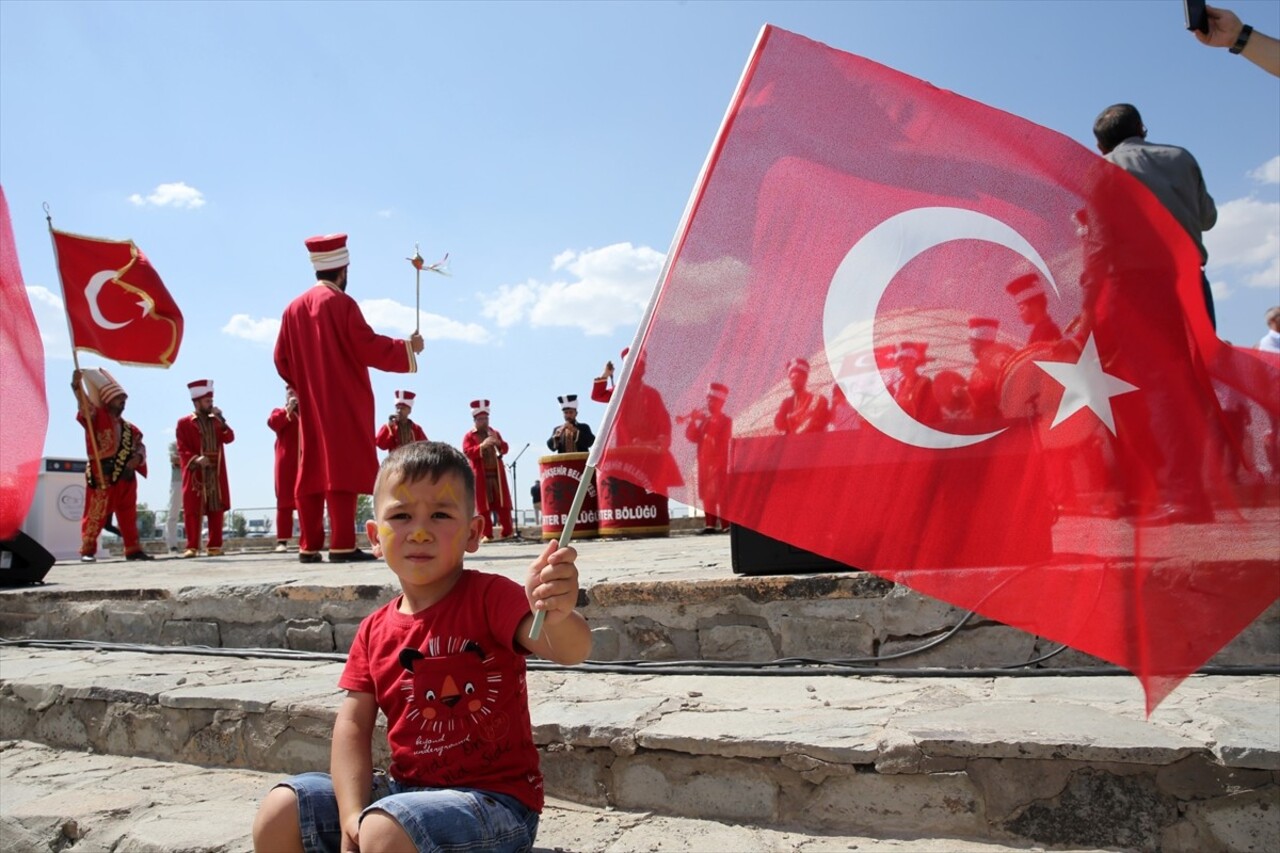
[{"x": 431, "y": 459}]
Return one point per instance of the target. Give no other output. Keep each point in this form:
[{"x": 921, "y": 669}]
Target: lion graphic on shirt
[{"x": 454, "y": 689}]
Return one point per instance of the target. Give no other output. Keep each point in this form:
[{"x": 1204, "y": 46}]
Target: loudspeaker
[
  {"x": 23, "y": 560},
  {"x": 754, "y": 553}
]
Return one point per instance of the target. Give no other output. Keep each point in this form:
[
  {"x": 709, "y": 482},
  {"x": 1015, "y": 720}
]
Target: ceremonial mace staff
[{"x": 420, "y": 264}]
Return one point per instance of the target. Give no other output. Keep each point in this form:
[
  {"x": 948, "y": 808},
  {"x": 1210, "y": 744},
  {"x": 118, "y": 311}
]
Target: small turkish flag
[
  {"x": 992, "y": 354},
  {"x": 117, "y": 304}
]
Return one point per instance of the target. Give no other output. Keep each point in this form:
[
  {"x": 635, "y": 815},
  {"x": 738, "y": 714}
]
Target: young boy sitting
[{"x": 444, "y": 661}]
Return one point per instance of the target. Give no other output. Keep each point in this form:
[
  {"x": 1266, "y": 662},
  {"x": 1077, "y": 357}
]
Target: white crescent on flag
[
  {"x": 859, "y": 283},
  {"x": 91, "y": 291}
]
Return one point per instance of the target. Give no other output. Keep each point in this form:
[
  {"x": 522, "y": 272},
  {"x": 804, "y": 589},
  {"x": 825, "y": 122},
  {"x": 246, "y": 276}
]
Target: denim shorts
[{"x": 448, "y": 820}]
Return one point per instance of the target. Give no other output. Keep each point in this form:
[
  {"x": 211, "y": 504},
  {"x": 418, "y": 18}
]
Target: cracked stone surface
[{"x": 52, "y": 797}]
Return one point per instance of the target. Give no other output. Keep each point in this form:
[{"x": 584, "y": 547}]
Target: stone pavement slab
[
  {"x": 58, "y": 799},
  {"x": 1071, "y": 761}
]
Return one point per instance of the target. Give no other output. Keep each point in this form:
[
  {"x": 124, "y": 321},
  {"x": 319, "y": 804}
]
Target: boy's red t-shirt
[{"x": 451, "y": 682}]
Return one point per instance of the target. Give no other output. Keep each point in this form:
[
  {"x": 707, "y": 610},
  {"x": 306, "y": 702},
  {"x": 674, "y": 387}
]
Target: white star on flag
[{"x": 1085, "y": 383}]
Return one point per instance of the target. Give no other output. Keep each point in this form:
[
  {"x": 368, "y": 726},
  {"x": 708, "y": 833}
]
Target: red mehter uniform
[
  {"x": 711, "y": 431},
  {"x": 405, "y": 433},
  {"x": 204, "y": 494},
  {"x": 113, "y": 442},
  {"x": 285, "y": 426},
  {"x": 324, "y": 352},
  {"x": 984, "y": 381},
  {"x": 492, "y": 492}
]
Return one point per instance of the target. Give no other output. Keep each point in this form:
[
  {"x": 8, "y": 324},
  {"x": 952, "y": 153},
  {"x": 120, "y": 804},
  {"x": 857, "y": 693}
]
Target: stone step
[
  {"x": 1009, "y": 761},
  {"x": 673, "y": 599},
  {"x": 56, "y": 799}
]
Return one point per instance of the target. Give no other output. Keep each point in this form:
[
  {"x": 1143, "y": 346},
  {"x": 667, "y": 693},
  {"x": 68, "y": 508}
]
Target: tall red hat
[
  {"x": 1025, "y": 287},
  {"x": 200, "y": 388},
  {"x": 328, "y": 252},
  {"x": 983, "y": 329}
]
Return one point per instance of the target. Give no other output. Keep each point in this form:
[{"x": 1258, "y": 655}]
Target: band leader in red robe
[
  {"x": 324, "y": 351},
  {"x": 201, "y": 437},
  {"x": 284, "y": 423}
]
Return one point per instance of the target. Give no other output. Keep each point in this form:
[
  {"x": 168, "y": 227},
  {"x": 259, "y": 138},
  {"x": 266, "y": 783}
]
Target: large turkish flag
[
  {"x": 117, "y": 304},
  {"x": 1047, "y": 448}
]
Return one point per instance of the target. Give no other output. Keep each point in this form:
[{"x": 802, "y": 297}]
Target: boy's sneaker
[
  {"x": 138, "y": 555},
  {"x": 189, "y": 553},
  {"x": 88, "y": 558},
  {"x": 308, "y": 558},
  {"x": 281, "y": 547}
]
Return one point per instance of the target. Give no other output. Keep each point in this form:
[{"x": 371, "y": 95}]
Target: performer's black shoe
[
  {"x": 138, "y": 555},
  {"x": 308, "y": 558},
  {"x": 356, "y": 556}
]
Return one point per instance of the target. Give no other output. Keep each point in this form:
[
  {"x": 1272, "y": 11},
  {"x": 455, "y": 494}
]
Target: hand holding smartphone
[{"x": 1195, "y": 14}]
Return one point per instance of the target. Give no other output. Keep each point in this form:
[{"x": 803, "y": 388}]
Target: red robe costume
[
  {"x": 492, "y": 492},
  {"x": 285, "y": 426},
  {"x": 711, "y": 431},
  {"x": 404, "y": 433},
  {"x": 984, "y": 381},
  {"x": 324, "y": 352},
  {"x": 801, "y": 413},
  {"x": 601, "y": 390},
  {"x": 113, "y": 442},
  {"x": 915, "y": 396},
  {"x": 203, "y": 496}
]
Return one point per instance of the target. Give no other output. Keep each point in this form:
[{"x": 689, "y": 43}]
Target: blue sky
[{"x": 550, "y": 148}]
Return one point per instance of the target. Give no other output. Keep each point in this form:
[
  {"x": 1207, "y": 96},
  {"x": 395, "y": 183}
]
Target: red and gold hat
[{"x": 328, "y": 252}]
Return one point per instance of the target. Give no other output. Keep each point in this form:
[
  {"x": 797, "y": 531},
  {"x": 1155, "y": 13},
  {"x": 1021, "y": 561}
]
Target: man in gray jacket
[{"x": 1170, "y": 172}]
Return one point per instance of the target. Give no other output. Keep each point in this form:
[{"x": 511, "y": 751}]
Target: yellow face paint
[
  {"x": 447, "y": 490},
  {"x": 418, "y": 536}
]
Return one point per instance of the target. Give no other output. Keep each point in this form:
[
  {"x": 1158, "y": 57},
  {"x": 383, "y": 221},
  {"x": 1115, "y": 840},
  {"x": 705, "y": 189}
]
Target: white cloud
[
  {"x": 171, "y": 195},
  {"x": 608, "y": 288},
  {"x": 384, "y": 214},
  {"x": 387, "y": 315},
  {"x": 51, "y": 319},
  {"x": 1268, "y": 172},
  {"x": 262, "y": 331},
  {"x": 1244, "y": 246}
]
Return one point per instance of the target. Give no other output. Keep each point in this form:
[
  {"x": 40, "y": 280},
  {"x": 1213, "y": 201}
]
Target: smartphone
[{"x": 1196, "y": 17}]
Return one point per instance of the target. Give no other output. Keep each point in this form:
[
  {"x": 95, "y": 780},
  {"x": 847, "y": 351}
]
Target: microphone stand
[{"x": 515, "y": 492}]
